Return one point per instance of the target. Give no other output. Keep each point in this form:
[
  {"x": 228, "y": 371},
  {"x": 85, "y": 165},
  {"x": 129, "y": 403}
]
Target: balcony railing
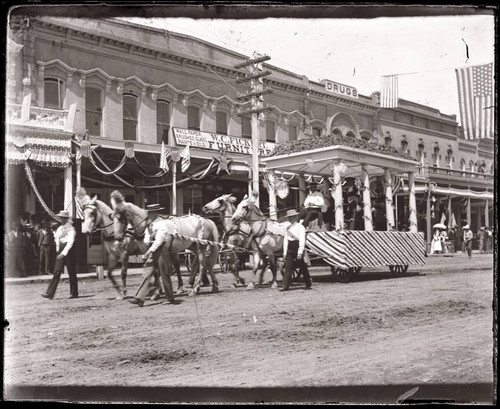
[
  {"x": 37, "y": 117},
  {"x": 433, "y": 170}
]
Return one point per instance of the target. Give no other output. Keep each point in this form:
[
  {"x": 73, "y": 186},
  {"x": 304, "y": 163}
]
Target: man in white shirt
[
  {"x": 64, "y": 238},
  {"x": 157, "y": 233},
  {"x": 293, "y": 250},
  {"x": 314, "y": 204}
]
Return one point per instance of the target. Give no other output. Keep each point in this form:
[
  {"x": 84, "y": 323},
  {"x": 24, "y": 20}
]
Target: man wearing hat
[
  {"x": 156, "y": 232},
  {"x": 468, "y": 236},
  {"x": 293, "y": 250},
  {"x": 314, "y": 204},
  {"x": 64, "y": 239}
]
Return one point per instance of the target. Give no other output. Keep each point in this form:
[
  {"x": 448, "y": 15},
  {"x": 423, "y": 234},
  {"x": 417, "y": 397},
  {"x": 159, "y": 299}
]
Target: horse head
[
  {"x": 90, "y": 216},
  {"x": 219, "y": 204}
]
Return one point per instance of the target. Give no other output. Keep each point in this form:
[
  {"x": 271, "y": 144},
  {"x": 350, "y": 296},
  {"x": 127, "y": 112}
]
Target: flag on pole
[
  {"x": 443, "y": 218},
  {"x": 79, "y": 209},
  {"x": 186, "y": 159},
  {"x": 389, "y": 91},
  {"x": 453, "y": 221},
  {"x": 475, "y": 97},
  {"x": 163, "y": 157}
]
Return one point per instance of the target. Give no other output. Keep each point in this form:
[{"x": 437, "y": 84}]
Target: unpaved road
[{"x": 434, "y": 325}]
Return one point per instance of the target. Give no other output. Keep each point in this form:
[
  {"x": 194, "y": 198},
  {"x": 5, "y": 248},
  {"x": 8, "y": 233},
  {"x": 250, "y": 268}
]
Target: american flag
[
  {"x": 389, "y": 91},
  {"x": 475, "y": 97},
  {"x": 186, "y": 159},
  {"x": 79, "y": 209},
  {"x": 163, "y": 157}
]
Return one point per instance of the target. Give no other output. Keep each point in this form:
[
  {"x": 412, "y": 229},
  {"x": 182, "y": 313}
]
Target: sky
[{"x": 423, "y": 51}]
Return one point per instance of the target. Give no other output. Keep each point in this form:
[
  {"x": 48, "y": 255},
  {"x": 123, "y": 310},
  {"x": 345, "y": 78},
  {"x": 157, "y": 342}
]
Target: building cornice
[{"x": 418, "y": 129}]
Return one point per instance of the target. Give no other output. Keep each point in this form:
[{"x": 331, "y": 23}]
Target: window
[
  {"x": 292, "y": 133},
  {"x": 53, "y": 93},
  {"x": 351, "y": 135},
  {"x": 129, "y": 117},
  {"x": 270, "y": 131},
  {"x": 162, "y": 121},
  {"x": 194, "y": 118},
  {"x": 246, "y": 127},
  {"x": 404, "y": 145},
  {"x": 221, "y": 123},
  {"x": 316, "y": 132},
  {"x": 93, "y": 111}
]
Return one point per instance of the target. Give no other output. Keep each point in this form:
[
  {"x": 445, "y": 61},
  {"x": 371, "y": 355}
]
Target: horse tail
[{"x": 214, "y": 236}]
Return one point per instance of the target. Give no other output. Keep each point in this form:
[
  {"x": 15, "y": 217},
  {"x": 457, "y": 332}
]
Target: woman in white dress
[{"x": 436, "y": 246}]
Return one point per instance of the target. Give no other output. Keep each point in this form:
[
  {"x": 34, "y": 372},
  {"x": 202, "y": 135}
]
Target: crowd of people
[
  {"x": 29, "y": 246},
  {"x": 446, "y": 241}
]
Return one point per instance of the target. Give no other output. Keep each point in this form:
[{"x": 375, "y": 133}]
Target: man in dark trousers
[
  {"x": 45, "y": 241},
  {"x": 64, "y": 238},
  {"x": 17, "y": 244},
  {"x": 294, "y": 249}
]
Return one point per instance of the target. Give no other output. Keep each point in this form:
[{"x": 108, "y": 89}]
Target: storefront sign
[
  {"x": 341, "y": 89},
  {"x": 217, "y": 142}
]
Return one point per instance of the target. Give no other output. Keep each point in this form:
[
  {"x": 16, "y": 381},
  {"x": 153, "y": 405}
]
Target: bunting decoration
[
  {"x": 186, "y": 159},
  {"x": 79, "y": 209}
]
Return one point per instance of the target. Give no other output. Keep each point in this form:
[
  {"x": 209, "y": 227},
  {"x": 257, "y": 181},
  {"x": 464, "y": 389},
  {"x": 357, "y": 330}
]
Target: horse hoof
[
  {"x": 119, "y": 297},
  {"x": 250, "y": 286},
  {"x": 191, "y": 293},
  {"x": 124, "y": 293},
  {"x": 215, "y": 289},
  {"x": 155, "y": 297},
  {"x": 179, "y": 291},
  {"x": 242, "y": 281},
  {"x": 234, "y": 286},
  {"x": 274, "y": 285}
]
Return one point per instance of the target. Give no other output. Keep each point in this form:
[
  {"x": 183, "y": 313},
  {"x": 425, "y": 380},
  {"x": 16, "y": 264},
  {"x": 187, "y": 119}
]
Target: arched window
[
  {"x": 388, "y": 138},
  {"x": 421, "y": 152},
  {"x": 246, "y": 127},
  {"x": 471, "y": 166},
  {"x": 292, "y": 133},
  {"x": 162, "y": 121},
  {"x": 221, "y": 122},
  {"x": 129, "y": 117},
  {"x": 317, "y": 132},
  {"x": 336, "y": 132},
  {"x": 463, "y": 166},
  {"x": 404, "y": 144},
  {"x": 93, "y": 110},
  {"x": 270, "y": 131},
  {"x": 436, "y": 155},
  {"x": 351, "y": 135},
  {"x": 193, "y": 118},
  {"x": 53, "y": 93}
]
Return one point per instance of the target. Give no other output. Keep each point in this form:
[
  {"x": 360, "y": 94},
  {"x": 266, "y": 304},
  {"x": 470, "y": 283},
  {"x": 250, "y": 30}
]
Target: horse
[
  {"x": 224, "y": 206},
  {"x": 264, "y": 236},
  {"x": 182, "y": 230},
  {"x": 97, "y": 216}
]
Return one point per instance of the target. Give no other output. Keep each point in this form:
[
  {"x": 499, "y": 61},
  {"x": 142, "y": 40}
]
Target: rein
[{"x": 100, "y": 228}]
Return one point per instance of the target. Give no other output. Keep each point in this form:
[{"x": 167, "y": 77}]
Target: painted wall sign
[
  {"x": 341, "y": 89},
  {"x": 217, "y": 142}
]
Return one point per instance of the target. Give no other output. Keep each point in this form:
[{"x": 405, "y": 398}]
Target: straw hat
[
  {"x": 291, "y": 213},
  {"x": 63, "y": 213},
  {"x": 154, "y": 207},
  {"x": 466, "y": 227}
]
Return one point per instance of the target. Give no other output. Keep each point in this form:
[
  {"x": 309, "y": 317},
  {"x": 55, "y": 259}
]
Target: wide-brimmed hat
[
  {"x": 466, "y": 227},
  {"x": 291, "y": 213},
  {"x": 63, "y": 213},
  {"x": 154, "y": 207}
]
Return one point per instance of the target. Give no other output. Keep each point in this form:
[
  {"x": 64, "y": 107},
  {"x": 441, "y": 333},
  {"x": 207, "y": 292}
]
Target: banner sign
[
  {"x": 341, "y": 89},
  {"x": 217, "y": 142}
]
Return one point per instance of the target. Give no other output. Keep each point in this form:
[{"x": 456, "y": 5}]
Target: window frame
[
  {"x": 274, "y": 123},
  {"x": 198, "y": 128},
  {"x": 163, "y": 125},
  {"x": 129, "y": 118},
  {"x": 60, "y": 93},
  {"x": 94, "y": 112},
  {"x": 226, "y": 122},
  {"x": 250, "y": 127}
]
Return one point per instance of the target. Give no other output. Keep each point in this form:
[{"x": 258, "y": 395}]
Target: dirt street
[{"x": 432, "y": 325}]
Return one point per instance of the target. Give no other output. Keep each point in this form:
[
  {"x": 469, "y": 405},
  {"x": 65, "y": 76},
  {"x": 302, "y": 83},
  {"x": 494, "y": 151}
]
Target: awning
[
  {"x": 448, "y": 191},
  {"x": 44, "y": 147}
]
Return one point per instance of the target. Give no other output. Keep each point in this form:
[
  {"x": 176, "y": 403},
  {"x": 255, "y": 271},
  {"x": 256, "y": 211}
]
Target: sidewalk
[{"x": 131, "y": 271}]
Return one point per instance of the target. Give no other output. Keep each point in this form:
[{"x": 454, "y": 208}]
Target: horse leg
[
  {"x": 112, "y": 262},
  {"x": 256, "y": 262},
  {"x": 124, "y": 276},
  {"x": 176, "y": 264},
  {"x": 274, "y": 270},
  {"x": 260, "y": 272},
  {"x": 214, "y": 252}
]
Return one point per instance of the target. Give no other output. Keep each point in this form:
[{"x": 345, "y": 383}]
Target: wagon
[
  {"x": 335, "y": 159},
  {"x": 347, "y": 251}
]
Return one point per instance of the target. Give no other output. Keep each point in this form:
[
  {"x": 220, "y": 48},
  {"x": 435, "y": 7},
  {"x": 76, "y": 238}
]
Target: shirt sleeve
[
  {"x": 160, "y": 238},
  {"x": 71, "y": 235},
  {"x": 147, "y": 236},
  {"x": 302, "y": 238},
  {"x": 56, "y": 238},
  {"x": 285, "y": 243}
]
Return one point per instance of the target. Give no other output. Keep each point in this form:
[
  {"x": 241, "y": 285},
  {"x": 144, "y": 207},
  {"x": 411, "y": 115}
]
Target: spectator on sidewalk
[
  {"x": 481, "y": 235},
  {"x": 45, "y": 242},
  {"x": 17, "y": 246}
]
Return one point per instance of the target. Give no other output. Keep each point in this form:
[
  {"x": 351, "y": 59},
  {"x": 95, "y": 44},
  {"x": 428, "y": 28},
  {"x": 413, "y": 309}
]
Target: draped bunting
[{"x": 44, "y": 148}]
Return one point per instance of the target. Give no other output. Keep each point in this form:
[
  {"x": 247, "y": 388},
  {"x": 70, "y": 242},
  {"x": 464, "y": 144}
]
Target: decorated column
[
  {"x": 412, "y": 203},
  {"x": 68, "y": 190},
  {"x": 449, "y": 212},
  {"x": 271, "y": 188},
  {"x": 428, "y": 218},
  {"x": 337, "y": 195},
  {"x": 367, "y": 202},
  {"x": 302, "y": 189},
  {"x": 468, "y": 211},
  {"x": 389, "y": 209},
  {"x": 486, "y": 215}
]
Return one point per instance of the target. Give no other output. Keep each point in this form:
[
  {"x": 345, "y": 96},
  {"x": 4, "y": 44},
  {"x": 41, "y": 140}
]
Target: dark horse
[
  {"x": 183, "y": 231},
  {"x": 98, "y": 217}
]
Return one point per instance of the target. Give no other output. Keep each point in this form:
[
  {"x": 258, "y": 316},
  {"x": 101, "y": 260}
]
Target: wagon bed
[{"x": 347, "y": 251}]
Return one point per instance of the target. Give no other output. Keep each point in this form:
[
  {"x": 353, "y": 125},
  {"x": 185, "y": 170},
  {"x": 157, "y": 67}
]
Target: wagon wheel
[
  {"x": 343, "y": 275},
  {"x": 224, "y": 265},
  {"x": 398, "y": 269}
]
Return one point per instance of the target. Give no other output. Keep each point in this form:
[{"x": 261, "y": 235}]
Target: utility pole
[{"x": 256, "y": 78}]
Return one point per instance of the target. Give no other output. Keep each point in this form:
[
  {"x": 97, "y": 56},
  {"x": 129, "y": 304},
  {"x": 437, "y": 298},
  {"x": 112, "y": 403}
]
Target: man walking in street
[
  {"x": 294, "y": 249},
  {"x": 64, "y": 238},
  {"x": 468, "y": 236}
]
